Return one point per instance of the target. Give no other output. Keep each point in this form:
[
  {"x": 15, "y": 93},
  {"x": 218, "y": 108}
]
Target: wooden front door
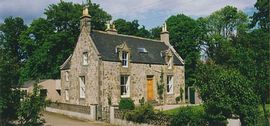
[{"x": 150, "y": 91}]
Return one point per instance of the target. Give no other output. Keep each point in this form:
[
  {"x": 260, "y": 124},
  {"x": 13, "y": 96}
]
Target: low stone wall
[
  {"x": 71, "y": 107},
  {"x": 75, "y": 111},
  {"x": 118, "y": 118}
]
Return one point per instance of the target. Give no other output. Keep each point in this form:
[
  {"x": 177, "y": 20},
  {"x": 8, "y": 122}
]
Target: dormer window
[
  {"x": 85, "y": 58},
  {"x": 124, "y": 59}
]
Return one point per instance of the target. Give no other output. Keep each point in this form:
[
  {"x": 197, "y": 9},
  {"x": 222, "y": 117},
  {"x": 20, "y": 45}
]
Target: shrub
[
  {"x": 177, "y": 99},
  {"x": 142, "y": 101},
  {"x": 141, "y": 114},
  {"x": 188, "y": 116},
  {"x": 126, "y": 104}
]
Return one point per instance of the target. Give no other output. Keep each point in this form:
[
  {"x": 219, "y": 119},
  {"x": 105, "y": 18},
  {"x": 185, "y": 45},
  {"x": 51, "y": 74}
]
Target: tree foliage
[
  {"x": 48, "y": 42},
  {"x": 261, "y": 16},
  {"x": 31, "y": 105},
  {"x": 225, "y": 93},
  {"x": 10, "y": 62},
  {"x": 184, "y": 37},
  {"x": 131, "y": 28}
]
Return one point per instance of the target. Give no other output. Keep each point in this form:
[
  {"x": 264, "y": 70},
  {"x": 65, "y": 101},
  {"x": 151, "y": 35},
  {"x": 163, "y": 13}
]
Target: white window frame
[
  {"x": 169, "y": 84},
  {"x": 82, "y": 86},
  {"x": 125, "y": 84},
  {"x": 85, "y": 58},
  {"x": 124, "y": 58},
  {"x": 67, "y": 75},
  {"x": 66, "y": 95}
]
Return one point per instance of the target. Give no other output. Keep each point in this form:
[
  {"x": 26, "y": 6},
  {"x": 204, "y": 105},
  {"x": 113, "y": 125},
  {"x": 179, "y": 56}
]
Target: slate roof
[
  {"x": 106, "y": 44},
  {"x": 66, "y": 64}
]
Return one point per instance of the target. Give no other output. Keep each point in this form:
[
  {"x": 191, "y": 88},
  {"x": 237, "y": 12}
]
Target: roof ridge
[{"x": 131, "y": 36}]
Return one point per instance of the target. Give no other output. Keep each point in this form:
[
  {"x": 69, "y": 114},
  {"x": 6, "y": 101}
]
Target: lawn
[{"x": 198, "y": 108}]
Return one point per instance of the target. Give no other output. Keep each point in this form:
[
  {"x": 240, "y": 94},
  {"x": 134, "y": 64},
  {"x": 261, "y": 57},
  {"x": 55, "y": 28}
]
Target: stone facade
[
  {"x": 138, "y": 73},
  {"x": 102, "y": 77}
]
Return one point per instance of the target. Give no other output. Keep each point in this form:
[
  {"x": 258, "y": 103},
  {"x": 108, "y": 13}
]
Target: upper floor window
[
  {"x": 67, "y": 75},
  {"x": 82, "y": 86},
  {"x": 169, "y": 84},
  {"x": 85, "y": 58},
  {"x": 125, "y": 59},
  {"x": 124, "y": 86}
]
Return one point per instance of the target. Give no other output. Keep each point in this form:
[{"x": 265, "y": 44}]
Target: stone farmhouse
[{"x": 107, "y": 66}]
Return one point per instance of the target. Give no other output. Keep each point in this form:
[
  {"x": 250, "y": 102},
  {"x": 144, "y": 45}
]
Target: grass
[
  {"x": 200, "y": 108},
  {"x": 172, "y": 112}
]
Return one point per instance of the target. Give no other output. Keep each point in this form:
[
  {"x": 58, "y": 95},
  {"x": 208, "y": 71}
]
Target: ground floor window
[
  {"x": 82, "y": 87},
  {"x": 169, "y": 84},
  {"x": 124, "y": 86}
]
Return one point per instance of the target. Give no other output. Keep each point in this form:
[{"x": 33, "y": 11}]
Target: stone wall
[
  {"x": 77, "y": 69},
  {"x": 138, "y": 81}
]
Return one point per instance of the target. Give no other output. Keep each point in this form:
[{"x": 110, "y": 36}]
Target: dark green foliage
[
  {"x": 189, "y": 116},
  {"x": 226, "y": 92},
  {"x": 142, "y": 101},
  {"x": 261, "y": 17},
  {"x": 48, "y": 42},
  {"x": 10, "y": 63},
  {"x": 155, "y": 33},
  {"x": 141, "y": 114},
  {"x": 131, "y": 28},
  {"x": 177, "y": 99},
  {"x": 29, "y": 112},
  {"x": 184, "y": 37},
  {"x": 126, "y": 104},
  {"x": 160, "y": 86}
]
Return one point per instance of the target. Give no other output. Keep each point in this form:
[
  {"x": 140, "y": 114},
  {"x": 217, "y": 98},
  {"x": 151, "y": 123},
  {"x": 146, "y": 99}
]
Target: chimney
[
  {"x": 85, "y": 20},
  {"x": 110, "y": 28},
  {"x": 164, "y": 35}
]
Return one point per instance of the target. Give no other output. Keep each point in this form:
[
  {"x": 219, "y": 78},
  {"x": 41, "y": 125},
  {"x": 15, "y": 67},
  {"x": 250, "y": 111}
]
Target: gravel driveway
[{"x": 53, "y": 119}]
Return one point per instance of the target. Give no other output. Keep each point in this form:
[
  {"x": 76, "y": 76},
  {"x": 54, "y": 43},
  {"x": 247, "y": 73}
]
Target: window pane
[{"x": 124, "y": 85}]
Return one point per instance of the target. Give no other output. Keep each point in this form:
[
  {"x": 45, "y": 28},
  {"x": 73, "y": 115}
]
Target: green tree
[
  {"x": 261, "y": 16},
  {"x": 48, "y": 42},
  {"x": 184, "y": 37},
  {"x": 131, "y": 28},
  {"x": 10, "y": 63},
  {"x": 30, "y": 109},
  {"x": 155, "y": 33},
  {"x": 225, "y": 93}
]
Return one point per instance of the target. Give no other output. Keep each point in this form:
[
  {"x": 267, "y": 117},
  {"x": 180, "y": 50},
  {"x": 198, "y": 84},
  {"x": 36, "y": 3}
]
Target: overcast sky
[{"x": 150, "y": 13}]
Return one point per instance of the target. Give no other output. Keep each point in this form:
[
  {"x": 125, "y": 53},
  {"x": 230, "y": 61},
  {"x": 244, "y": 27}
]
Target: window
[
  {"x": 67, "y": 95},
  {"x": 124, "y": 85},
  {"x": 67, "y": 75},
  {"x": 125, "y": 59},
  {"x": 169, "y": 84},
  {"x": 85, "y": 58},
  {"x": 82, "y": 87}
]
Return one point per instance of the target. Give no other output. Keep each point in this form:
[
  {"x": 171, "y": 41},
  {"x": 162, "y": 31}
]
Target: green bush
[
  {"x": 188, "y": 116},
  {"x": 177, "y": 99},
  {"x": 141, "y": 114},
  {"x": 126, "y": 104}
]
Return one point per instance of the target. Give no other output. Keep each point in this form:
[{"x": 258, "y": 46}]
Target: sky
[{"x": 150, "y": 13}]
